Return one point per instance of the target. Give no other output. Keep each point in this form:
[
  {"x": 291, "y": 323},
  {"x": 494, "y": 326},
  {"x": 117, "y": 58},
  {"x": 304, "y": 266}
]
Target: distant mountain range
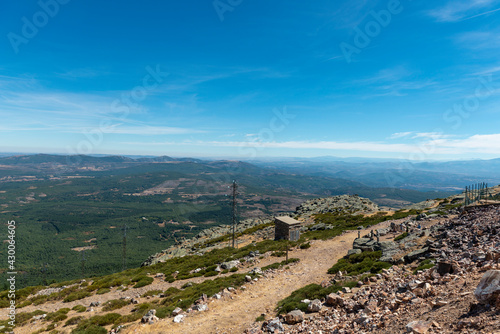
[
  {"x": 378, "y": 173},
  {"x": 425, "y": 176}
]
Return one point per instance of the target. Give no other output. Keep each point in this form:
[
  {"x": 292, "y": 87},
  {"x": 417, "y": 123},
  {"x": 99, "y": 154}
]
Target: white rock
[{"x": 179, "y": 318}]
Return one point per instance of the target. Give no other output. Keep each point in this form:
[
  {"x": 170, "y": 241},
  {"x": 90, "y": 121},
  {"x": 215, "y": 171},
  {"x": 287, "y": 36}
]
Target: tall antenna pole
[
  {"x": 124, "y": 249},
  {"x": 235, "y": 186},
  {"x": 44, "y": 272},
  {"x": 83, "y": 263}
]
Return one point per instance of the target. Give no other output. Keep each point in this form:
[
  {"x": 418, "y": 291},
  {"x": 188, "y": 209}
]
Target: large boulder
[
  {"x": 383, "y": 231},
  {"x": 389, "y": 249},
  {"x": 334, "y": 300},
  {"x": 230, "y": 264},
  {"x": 366, "y": 244},
  {"x": 409, "y": 258},
  {"x": 273, "y": 326},
  {"x": 354, "y": 251},
  {"x": 294, "y": 317},
  {"x": 488, "y": 289}
]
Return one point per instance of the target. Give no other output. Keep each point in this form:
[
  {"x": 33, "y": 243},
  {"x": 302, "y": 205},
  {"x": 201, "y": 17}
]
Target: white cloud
[
  {"x": 458, "y": 10},
  {"x": 475, "y": 40},
  {"x": 148, "y": 130},
  {"x": 435, "y": 145},
  {"x": 430, "y": 135},
  {"x": 398, "y": 135}
]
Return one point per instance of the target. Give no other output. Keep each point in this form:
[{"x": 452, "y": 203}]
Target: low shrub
[
  {"x": 279, "y": 264},
  {"x": 79, "y": 308},
  {"x": 91, "y": 329},
  {"x": 360, "y": 263},
  {"x": 152, "y": 293},
  {"x": 115, "y": 304},
  {"x": 76, "y": 296},
  {"x": 73, "y": 321},
  {"x": 311, "y": 291},
  {"x": 425, "y": 264},
  {"x": 143, "y": 282},
  {"x": 305, "y": 245},
  {"x": 401, "y": 236},
  {"x": 103, "y": 291}
]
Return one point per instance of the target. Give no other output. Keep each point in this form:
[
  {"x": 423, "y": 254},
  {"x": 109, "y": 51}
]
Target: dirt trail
[{"x": 237, "y": 314}]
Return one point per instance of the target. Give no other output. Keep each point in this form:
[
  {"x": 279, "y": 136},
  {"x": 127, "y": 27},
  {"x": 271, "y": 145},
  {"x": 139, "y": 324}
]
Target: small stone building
[{"x": 283, "y": 226}]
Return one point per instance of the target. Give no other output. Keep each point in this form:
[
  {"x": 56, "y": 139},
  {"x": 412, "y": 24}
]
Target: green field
[{"x": 60, "y": 207}]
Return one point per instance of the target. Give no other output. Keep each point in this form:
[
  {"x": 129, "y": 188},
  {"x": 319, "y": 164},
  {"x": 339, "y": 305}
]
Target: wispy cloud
[
  {"x": 393, "y": 81},
  {"x": 149, "y": 130},
  {"x": 398, "y": 135},
  {"x": 81, "y": 73},
  {"x": 433, "y": 144},
  {"x": 475, "y": 40},
  {"x": 465, "y": 9}
]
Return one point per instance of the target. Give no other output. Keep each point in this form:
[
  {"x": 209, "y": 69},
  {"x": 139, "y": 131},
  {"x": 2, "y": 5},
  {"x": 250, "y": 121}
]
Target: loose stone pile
[
  {"x": 445, "y": 298},
  {"x": 342, "y": 203}
]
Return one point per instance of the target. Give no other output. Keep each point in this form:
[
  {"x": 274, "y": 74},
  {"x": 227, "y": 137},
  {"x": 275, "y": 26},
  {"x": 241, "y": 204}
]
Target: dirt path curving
[{"x": 237, "y": 314}]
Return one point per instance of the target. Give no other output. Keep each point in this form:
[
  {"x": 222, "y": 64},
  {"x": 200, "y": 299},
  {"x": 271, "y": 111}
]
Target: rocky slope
[
  {"x": 438, "y": 300},
  {"x": 342, "y": 203},
  {"x": 197, "y": 245},
  {"x": 448, "y": 298}
]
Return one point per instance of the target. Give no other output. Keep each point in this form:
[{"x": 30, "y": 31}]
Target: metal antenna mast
[
  {"x": 124, "y": 249},
  {"x": 235, "y": 186},
  {"x": 83, "y": 263}
]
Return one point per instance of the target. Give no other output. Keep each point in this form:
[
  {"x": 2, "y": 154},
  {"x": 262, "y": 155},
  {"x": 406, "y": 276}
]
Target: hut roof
[{"x": 288, "y": 220}]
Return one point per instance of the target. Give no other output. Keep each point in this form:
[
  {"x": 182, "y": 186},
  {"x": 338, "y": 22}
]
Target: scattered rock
[
  {"x": 419, "y": 327},
  {"x": 179, "y": 318},
  {"x": 150, "y": 317},
  {"x": 230, "y": 264},
  {"x": 334, "y": 299},
  {"x": 273, "y": 326},
  {"x": 176, "y": 311},
  {"x": 444, "y": 267},
  {"x": 200, "y": 307},
  {"x": 488, "y": 290},
  {"x": 294, "y": 317},
  {"x": 314, "y": 306},
  {"x": 409, "y": 258}
]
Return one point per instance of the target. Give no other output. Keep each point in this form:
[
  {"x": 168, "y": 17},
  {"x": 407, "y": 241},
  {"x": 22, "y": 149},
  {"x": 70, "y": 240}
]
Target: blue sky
[{"x": 247, "y": 79}]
